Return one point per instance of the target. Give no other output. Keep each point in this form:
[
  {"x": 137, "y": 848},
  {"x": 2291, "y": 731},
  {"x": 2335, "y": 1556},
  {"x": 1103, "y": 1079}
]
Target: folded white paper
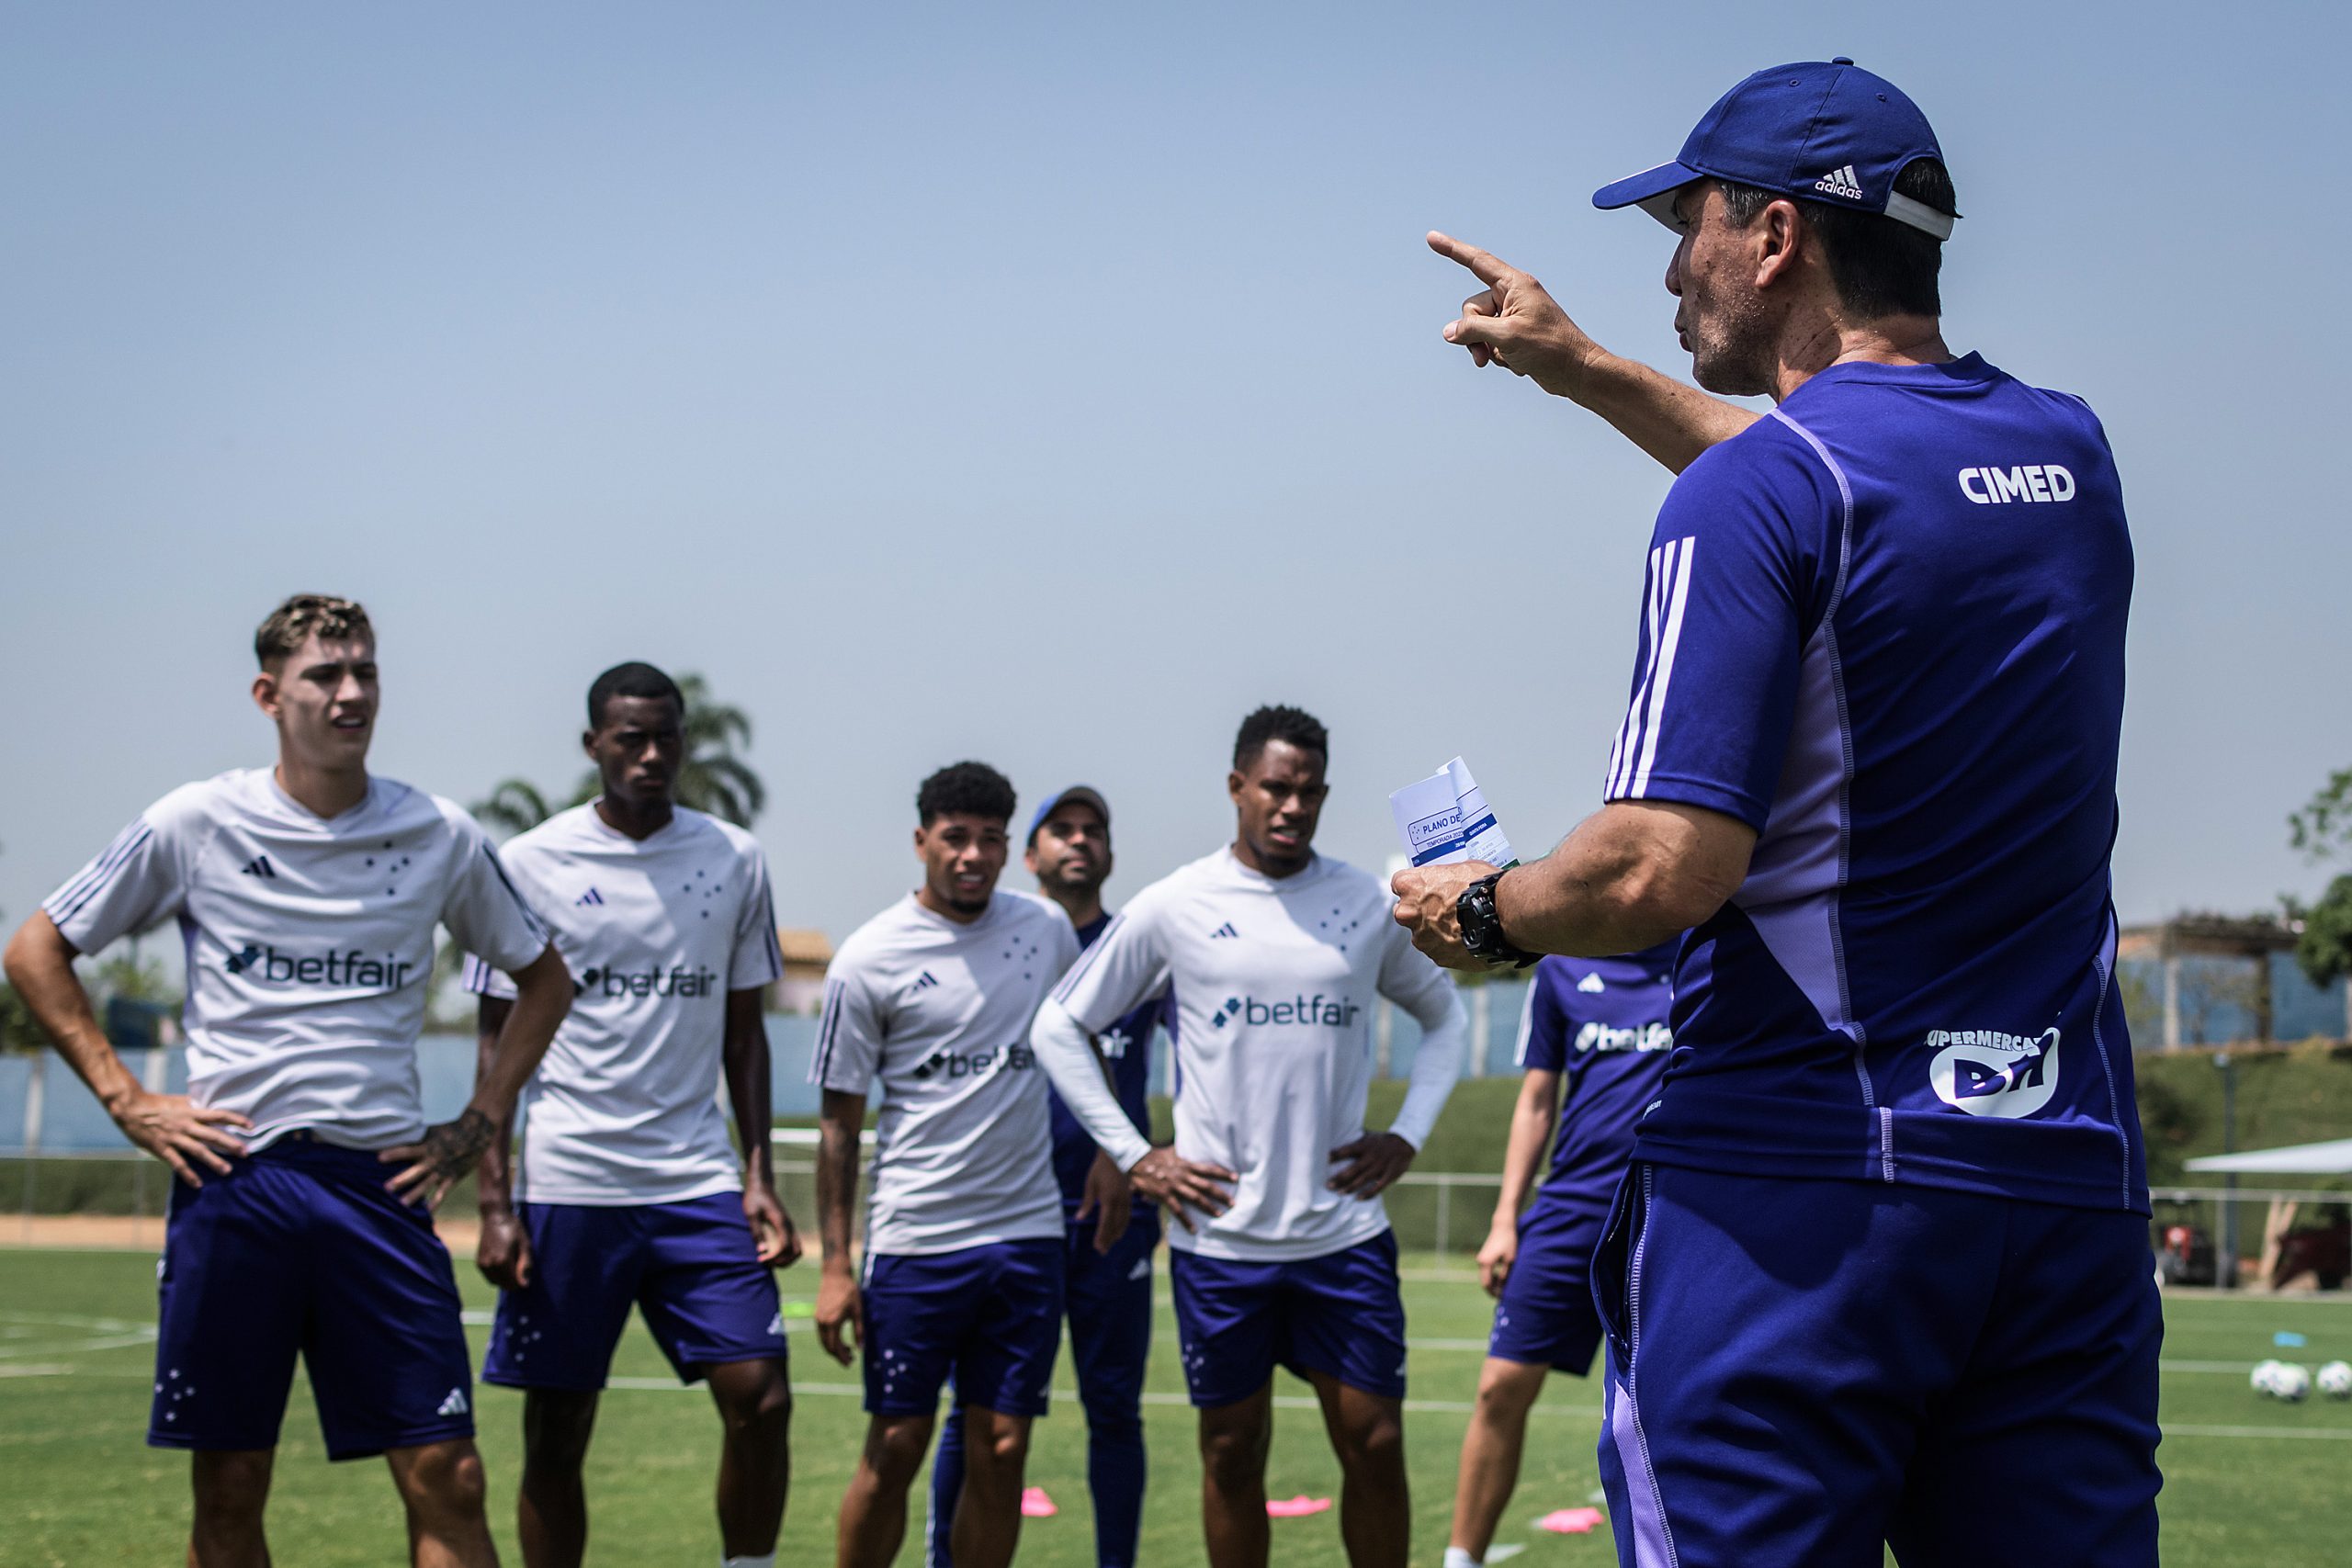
[{"x": 1444, "y": 817}]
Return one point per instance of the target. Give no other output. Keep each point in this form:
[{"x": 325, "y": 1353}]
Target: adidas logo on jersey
[
  {"x": 454, "y": 1405},
  {"x": 1840, "y": 182},
  {"x": 1224, "y": 930},
  {"x": 2027, "y": 482},
  {"x": 1592, "y": 985},
  {"x": 258, "y": 866},
  {"x": 923, "y": 982},
  {"x": 590, "y": 897}
]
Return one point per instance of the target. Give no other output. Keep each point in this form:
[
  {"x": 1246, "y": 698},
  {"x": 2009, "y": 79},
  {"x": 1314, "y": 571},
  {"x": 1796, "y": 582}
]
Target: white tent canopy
[{"x": 2331, "y": 1158}]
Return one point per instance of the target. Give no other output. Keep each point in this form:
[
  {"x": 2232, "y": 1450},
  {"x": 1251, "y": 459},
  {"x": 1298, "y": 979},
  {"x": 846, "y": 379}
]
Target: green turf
[{"x": 78, "y": 1487}]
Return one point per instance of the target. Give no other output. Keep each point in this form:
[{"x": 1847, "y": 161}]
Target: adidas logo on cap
[{"x": 1841, "y": 182}]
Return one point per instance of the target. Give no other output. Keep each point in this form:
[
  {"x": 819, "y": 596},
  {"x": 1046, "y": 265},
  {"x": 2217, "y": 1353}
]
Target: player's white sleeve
[
  {"x": 850, "y": 1033},
  {"x": 1066, "y": 1050},
  {"x": 757, "y": 960},
  {"x": 1124, "y": 969},
  {"x": 134, "y": 882},
  {"x": 1426, "y": 991},
  {"x": 485, "y": 910}
]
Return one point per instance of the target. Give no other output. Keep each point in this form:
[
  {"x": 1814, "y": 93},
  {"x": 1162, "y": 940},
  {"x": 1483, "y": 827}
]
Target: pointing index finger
[{"x": 1487, "y": 268}]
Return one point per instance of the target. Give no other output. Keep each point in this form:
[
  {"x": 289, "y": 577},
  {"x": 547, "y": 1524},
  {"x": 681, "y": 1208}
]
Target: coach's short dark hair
[
  {"x": 631, "y": 680},
  {"x": 286, "y": 627},
  {"x": 1882, "y": 265},
  {"x": 964, "y": 789},
  {"x": 1295, "y": 725}
]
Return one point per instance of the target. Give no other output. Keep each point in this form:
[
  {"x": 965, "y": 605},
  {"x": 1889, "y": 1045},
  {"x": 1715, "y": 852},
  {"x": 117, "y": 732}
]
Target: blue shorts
[
  {"x": 989, "y": 1316},
  {"x": 1547, "y": 1317},
  {"x": 691, "y": 1267},
  {"x": 1800, "y": 1370},
  {"x": 1340, "y": 1314},
  {"x": 301, "y": 1248}
]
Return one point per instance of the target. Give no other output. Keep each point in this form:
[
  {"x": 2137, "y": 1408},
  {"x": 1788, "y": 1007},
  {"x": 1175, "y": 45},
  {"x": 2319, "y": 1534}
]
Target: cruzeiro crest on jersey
[{"x": 1988, "y": 1073}]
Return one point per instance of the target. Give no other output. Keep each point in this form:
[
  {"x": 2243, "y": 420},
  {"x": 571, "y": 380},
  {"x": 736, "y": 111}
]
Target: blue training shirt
[
  {"x": 1601, "y": 1024},
  {"x": 1126, "y": 1046},
  {"x": 1884, "y": 628}
]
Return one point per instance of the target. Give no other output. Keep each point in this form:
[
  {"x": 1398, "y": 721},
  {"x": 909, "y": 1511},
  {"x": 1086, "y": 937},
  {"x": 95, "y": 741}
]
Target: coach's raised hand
[{"x": 1513, "y": 323}]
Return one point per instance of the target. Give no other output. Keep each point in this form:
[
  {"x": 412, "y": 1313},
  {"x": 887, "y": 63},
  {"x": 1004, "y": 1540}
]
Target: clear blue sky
[{"x": 1052, "y": 385}]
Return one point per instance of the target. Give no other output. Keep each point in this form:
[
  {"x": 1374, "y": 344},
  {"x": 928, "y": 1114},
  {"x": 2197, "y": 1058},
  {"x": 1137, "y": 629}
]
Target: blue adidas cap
[
  {"x": 1085, "y": 794},
  {"x": 1827, "y": 131}
]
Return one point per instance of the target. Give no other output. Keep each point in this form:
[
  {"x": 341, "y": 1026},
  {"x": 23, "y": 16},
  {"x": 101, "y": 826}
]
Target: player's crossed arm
[{"x": 1514, "y": 322}]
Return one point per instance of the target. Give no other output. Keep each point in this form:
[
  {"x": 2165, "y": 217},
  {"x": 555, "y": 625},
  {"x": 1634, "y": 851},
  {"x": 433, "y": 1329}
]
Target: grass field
[{"x": 2249, "y": 1481}]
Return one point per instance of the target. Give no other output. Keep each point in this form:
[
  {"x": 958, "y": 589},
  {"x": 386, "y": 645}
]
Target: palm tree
[
  {"x": 711, "y": 777},
  {"x": 515, "y": 805}
]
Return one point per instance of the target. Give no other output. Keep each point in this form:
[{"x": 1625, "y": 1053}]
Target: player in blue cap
[
  {"x": 1107, "y": 1285},
  {"x": 1879, "y": 1273}
]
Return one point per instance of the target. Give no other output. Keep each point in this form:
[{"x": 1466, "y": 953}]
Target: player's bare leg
[
  {"x": 754, "y": 1401},
  {"x": 1491, "y": 1449},
  {"x": 551, "y": 1508},
  {"x": 873, "y": 1509},
  {"x": 1234, "y": 1439},
  {"x": 988, "y": 1513},
  {"x": 231, "y": 1488},
  {"x": 1376, "y": 1501},
  {"x": 441, "y": 1486}
]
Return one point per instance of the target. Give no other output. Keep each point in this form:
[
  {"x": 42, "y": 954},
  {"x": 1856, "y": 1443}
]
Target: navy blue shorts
[
  {"x": 1340, "y": 1314},
  {"x": 1547, "y": 1317},
  {"x": 989, "y": 1316},
  {"x": 1802, "y": 1370},
  {"x": 691, "y": 1267},
  {"x": 299, "y": 1248}
]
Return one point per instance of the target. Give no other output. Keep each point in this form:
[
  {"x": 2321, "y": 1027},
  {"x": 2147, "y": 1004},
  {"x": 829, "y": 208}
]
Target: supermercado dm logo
[{"x": 1988, "y": 1073}]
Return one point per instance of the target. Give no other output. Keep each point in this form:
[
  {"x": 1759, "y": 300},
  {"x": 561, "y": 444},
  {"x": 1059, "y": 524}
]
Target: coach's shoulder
[{"x": 1770, "y": 469}]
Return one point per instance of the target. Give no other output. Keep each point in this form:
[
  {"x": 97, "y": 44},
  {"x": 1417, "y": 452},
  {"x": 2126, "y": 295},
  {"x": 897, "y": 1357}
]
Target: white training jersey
[
  {"x": 656, "y": 932},
  {"x": 940, "y": 1012},
  {"x": 309, "y": 940},
  {"x": 1275, "y": 983}
]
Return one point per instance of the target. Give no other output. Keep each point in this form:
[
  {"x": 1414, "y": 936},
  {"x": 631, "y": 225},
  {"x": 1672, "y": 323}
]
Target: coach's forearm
[
  {"x": 1632, "y": 874},
  {"x": 39, "y": 963},
  {"x": 542, "y": 998},
  {"x": 1670, "y": 420},
  {"x": 1066, "y": 1051},
  {"x": 840, "y": 1125},
  {"x": 1437, "y": 1064}
]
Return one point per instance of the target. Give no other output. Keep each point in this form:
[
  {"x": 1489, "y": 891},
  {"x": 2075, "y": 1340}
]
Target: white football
[
  {"x": 2265, "y": 1379},
  {"x": 2336, "y": 1380},
  {"x": 2292, "y": 1382}
]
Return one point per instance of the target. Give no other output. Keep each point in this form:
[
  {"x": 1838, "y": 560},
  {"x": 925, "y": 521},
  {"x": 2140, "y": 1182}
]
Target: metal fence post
[
  {"x": 1444, "y": 1203},
  {"x": 36, "y": 1091}
]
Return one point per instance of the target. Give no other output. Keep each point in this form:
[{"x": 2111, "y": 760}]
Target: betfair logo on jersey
[
  {"x": 972, "y": 1064},
  {"x": 2027, "y": 482},
  {"x": 1647, "y": 1037},
  {"x": 654, "y": 982},
  {"x": 1317, "y": 1010},
  {"x": 262, "y": 965}
]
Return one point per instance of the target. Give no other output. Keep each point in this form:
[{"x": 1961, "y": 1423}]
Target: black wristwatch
[{"x": 1482, "y": 926}]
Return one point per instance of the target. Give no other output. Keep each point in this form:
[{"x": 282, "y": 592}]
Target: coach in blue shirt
[{"x": 1880, "y": 1272}]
